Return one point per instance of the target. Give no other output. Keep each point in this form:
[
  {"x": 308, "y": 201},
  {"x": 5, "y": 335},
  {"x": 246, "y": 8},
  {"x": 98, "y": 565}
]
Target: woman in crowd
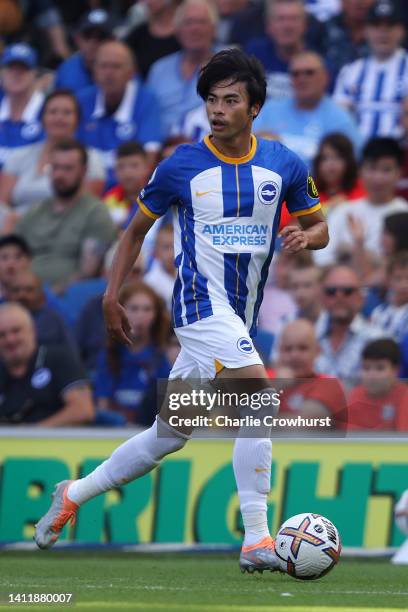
[
  {"x": 126, "y": 377},
  {"x": 26, "y": 179},
  {"x": 336, "y": 172}
]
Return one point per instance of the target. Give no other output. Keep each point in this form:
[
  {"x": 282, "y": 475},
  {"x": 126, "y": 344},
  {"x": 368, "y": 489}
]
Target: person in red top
[
  {"x": 132, "y": 171},
  {"x": 381, "y": 401},
  {"x": 336, "y": 172},
  {"x": 306, "y": 393}
]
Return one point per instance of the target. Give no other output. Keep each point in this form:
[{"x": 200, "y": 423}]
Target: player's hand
[
  {"x": 295, "y": 239},
  {"x": 116, "y": 321},
  {"x": 356, "y": 227}
]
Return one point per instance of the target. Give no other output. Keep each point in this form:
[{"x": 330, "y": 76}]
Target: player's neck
[{"x": 239, "y": 146}]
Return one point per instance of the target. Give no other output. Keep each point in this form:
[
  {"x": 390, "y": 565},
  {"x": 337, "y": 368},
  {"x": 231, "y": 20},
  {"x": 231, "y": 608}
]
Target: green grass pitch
[{"x": 196, "y": 583}]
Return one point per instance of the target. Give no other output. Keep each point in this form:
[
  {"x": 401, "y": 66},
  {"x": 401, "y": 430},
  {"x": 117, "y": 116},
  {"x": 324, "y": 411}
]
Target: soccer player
[{"x": 226, "y": 194}]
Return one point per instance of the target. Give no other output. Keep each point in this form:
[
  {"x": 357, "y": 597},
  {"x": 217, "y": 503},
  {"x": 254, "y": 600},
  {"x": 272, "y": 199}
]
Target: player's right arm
[{"x": 127, "y": 252}]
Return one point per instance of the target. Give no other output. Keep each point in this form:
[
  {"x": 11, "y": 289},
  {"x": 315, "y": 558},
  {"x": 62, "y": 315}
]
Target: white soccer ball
[{"x": 308, "y": 546}]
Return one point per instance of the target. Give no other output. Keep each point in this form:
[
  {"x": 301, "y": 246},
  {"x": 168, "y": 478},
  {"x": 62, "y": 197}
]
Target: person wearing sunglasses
[
  {"x": 347, "y": 332},
  {"x": 302, "y": 120}
]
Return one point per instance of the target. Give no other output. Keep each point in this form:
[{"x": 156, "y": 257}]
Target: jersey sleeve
[
  {"x": 302, "y": 197},
  {"x": 162, "y": 190}
]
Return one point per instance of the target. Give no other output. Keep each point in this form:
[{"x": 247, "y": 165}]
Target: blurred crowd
[{"x": 93, "y": 95}]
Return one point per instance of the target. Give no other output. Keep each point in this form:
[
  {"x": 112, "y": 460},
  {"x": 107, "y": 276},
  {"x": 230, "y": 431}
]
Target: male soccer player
[{"x": 226, "y": 194}]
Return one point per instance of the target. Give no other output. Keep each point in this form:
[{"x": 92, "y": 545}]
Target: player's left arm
[{"x": 312, "y": 234}]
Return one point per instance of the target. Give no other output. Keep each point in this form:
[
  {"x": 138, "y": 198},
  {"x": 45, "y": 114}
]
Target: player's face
[
  {"x": 17, "y": 79},
  {"x": 305, "y": 287},
  {"x": 286, "y": 24},
  {"x": 228, "y": 110},
  {"x": 378, "y": 375},
  {"x": 384, "y": 38},
  {"x": 331, "y": 167},
  {"x": 141, "y": 314},
  {"x": 399, "y": 286},
  {"x": 17, "y": 338},
  {"x": 380, "y": 179},
  {"x": 132, "y": 172},
  {"x": 60, "y": 118},
  {"x": 12, "y": 262}
]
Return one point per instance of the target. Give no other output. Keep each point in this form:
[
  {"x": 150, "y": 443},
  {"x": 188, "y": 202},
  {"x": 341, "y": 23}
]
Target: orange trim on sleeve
[
  {"x": 306, "y": 211},
  {"x": 146, "y": 211}
]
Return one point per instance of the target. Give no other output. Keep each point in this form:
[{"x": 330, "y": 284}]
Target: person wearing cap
[
  {"x": 20, "y": 101},
  {"x": 373, "y": 87},
  {"x": 76, "y": 72},
  {"x": 118, "y": 108}
]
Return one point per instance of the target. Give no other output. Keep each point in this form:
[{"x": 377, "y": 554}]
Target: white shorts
[{"x": 211, "y": 344}]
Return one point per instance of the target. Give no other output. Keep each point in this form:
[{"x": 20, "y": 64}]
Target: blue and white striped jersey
[
  {"x": 226, "y": 214},
  {"x": 374, "y": 90}
]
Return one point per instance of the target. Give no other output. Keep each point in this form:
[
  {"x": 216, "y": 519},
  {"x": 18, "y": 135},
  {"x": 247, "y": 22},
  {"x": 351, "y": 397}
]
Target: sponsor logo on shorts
[{"x": 245, "y": 346}]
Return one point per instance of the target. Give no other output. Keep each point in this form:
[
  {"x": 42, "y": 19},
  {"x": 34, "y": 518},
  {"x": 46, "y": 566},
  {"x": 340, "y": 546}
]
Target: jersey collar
[
  {"x": 31, "y": 111},
  {"x": 124, "y": 112},
  {"x": 232, "y": 160}
]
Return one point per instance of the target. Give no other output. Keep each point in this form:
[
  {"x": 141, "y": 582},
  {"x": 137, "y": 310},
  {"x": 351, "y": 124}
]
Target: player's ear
[{"x": 254, "y": 110}]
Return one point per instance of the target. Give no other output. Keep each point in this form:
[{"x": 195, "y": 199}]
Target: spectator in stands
[
  {"x": 21, "y": 103},
  {"x": 392, "y": 316},
  {"x": 346, "y": 333},
  {"x": 132, "y": 171},
  {"x": 335, "y": 172},
  {"x": 174, "y": 78},
  {"x": 26, "y": 179},
  {"x": 27, "y": 290},
  {"x": 277, "y": 304},
  {"x": 227, "y": 12},
  {"x": 302, "y": 120},
  {"x": 403, "y": 184},
  {"x": 156, "y": 37},
  {"x": 305, "y": 289},
  {"x": 38, "y": 384},
  {"x": 57, "y": 228},
  {"x": 76, "y": 72},
  {"x": 346, "y": 34},
  {"x": 119, "y": 108},
  {"x": 162, "y": 273},
  {"x": 372, "y": 88},
  {"x": 381, "y": 401},
  {"x": 305, "y": 392},
  {"x": 395, "y": 234},
  {"x": 125, "y": 376},
  {"x": 324, "y": 9},
  {"x": 15, "y": 257},
  {"x": 286, "y": 24},
  {"x": 361, "y": 225}
]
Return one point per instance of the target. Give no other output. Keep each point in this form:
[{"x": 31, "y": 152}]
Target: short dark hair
[
  {"x": 62, "y": 93},
  {"x": 17, "y": 241},
  {"x": 398, "y": 261},
  {"x": 378, "y": 148},
  {"x": 71, "y": 144},
  {"x": 344, "y": 149},
  {"x": 234, "y": 65},
  {"x": 131, "y": 147},
  {"x": 383, "y": 348},
  {"x": 397, "y": 225}
]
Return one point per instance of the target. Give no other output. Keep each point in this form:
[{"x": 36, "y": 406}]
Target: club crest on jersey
[
  {"x": 31, "y": 130},
  {"x": 268, "y": 192},
  {"x": 125, "y": 130},
  {"x": 245, "y": 346},
  {"x": 41, "y": 378},
  {"x": 312, "y": 189}
]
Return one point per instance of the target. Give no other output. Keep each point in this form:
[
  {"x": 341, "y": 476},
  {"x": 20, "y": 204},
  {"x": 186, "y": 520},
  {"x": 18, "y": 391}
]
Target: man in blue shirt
[
  {"x": 226, "y": 195},
  {"x": 174, "y": 78},
  {"x": 76, "y": 73},
  {"x": 21, "y": 102},
  {"x": 119, "y": 108},
  {"x": 302, "y": 120}
]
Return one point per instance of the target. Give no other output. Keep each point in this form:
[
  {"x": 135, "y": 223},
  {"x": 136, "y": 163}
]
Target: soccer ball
[{"x": 308, "y": 546}]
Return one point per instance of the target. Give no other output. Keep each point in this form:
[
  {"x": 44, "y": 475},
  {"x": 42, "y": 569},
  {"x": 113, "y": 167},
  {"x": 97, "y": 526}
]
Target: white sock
[
  {"x": 132, "y": 459},
  {"x": 252, "y": 468}
]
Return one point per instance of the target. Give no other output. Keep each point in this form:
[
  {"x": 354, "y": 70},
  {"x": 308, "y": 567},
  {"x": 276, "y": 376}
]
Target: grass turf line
[{"x": 197, "y": 583}]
